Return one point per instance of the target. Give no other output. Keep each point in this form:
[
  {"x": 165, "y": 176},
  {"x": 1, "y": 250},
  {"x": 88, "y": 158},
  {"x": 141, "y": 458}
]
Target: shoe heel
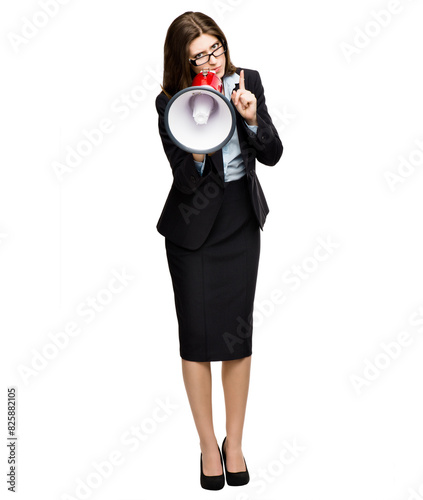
[
  {"x": 212, "y": 482},
  {"x": 235, "y": 478}
]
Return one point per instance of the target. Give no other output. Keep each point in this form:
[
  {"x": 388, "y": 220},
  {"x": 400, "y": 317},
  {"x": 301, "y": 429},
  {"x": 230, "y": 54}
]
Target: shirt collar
[{"x": 229, "y": 83}]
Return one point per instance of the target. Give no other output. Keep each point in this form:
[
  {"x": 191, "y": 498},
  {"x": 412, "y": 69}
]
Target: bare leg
[
  {"x": 236, "y": 381},
  {"x": 198, "y": 384}
]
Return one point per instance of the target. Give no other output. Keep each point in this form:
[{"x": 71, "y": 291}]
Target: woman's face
[{"x": 203, "y": 45}]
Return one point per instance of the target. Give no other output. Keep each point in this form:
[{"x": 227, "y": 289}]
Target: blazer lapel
[{"x": 217, "y": 158}]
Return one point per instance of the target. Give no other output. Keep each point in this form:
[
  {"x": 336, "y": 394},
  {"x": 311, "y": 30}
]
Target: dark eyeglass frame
[{"x": 194, "y": 61}]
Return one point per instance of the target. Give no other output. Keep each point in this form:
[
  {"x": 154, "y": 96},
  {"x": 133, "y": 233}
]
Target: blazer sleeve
[
  {"x": 185, "y": 174},
  {"x": 266, "y": 142}
]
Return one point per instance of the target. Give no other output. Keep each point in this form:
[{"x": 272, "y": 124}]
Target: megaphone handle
[{"x": 198, "y": 157}]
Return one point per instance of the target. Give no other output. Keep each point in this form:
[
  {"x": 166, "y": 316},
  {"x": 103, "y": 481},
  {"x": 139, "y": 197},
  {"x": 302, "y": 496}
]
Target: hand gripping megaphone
[{"x": 200, "y": 119}]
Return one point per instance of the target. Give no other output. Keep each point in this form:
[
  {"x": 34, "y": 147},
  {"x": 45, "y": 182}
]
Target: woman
[{"x": 211, "y": 222}]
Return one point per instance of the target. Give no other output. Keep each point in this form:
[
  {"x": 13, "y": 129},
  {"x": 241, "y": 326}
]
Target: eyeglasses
[{"x": 199, "y": 61}]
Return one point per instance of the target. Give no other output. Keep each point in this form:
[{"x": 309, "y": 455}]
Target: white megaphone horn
[{"x": 200, "y": 119}]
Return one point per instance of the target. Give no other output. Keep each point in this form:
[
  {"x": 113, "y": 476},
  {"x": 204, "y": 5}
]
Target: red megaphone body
[{"x": 208, "y": 78}]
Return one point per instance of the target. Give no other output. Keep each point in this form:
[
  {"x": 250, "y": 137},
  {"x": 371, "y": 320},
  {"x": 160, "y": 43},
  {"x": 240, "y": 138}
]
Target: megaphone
[{"x": 200, "y": 119}]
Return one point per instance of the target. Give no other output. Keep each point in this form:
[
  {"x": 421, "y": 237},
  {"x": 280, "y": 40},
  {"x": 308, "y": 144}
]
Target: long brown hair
[{"x": 178, "y": 73}]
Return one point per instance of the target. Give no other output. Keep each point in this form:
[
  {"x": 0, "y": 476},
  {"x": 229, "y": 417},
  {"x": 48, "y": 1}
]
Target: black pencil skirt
[{"x": 214, "y": 286}]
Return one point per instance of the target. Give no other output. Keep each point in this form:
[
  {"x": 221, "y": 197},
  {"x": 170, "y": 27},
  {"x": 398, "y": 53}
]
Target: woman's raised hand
[{"x": 245, "y": 102}]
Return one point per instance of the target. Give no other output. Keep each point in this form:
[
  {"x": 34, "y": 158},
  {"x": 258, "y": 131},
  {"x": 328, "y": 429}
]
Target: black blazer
[{"x": 194, "y": 200}]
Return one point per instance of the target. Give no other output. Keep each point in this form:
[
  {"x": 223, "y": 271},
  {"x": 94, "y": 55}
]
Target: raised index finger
[{"x": 241, "y": 80}]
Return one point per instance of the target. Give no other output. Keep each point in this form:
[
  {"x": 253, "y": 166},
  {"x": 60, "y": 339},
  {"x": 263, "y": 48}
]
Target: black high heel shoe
[
  {"x": 235, "y": 478},
  {"x": 212, "y": 482}
]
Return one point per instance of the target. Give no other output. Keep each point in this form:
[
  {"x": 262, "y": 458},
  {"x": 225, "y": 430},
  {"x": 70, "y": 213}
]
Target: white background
[{"x": 344, "y": 122}]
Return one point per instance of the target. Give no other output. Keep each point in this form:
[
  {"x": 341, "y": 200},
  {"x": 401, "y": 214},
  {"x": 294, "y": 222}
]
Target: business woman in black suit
[{"x": 211, "y": 222}]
